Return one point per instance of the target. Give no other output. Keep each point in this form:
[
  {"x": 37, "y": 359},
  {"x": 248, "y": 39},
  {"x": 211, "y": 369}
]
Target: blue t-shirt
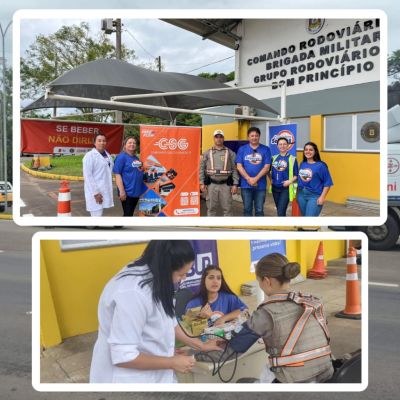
[
  {"x": 253, "y": 161},
  {"x": 224, "y": 304},
  {"x": 280, "y": 170},
  {"x": 314, "y": 177},
  {"x": 130, "y": 169}
]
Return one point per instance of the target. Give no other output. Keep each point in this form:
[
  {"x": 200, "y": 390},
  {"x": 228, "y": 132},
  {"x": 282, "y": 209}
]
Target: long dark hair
[
  {"x": 277, "y": 266},
  {"x": 316, "y": 157},
  {"x": 202, "y": 293},
  {"x": 162, "y": 257}
]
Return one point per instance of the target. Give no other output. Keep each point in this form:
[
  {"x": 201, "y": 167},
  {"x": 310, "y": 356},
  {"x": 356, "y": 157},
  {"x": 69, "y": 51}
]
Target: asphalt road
[{"x": 15, "y": 332}]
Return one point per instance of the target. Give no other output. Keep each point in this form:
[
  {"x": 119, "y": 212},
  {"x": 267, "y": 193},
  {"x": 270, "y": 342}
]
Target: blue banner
[
  {"x": 289, "y": 132},
  {"x": 260, "y": 248},
  {"x": 234, "y": 145},
  {"x": 206, "y": 254}
]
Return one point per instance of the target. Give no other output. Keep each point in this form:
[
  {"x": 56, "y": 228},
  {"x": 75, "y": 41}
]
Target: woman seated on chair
[{"x": 216, "y": 299}]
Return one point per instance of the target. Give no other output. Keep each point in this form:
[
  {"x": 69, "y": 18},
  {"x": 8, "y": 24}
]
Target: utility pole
[
  {"x": 159, "y": 63},
  {"x": 4, "y": 113},
  {"x": 110, "y": 26},
  {"x": 118, "y": 27},
  {"x": 54, "y": 115}
]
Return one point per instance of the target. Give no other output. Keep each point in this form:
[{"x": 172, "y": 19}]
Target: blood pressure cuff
[{"x": 244, "y": 339}]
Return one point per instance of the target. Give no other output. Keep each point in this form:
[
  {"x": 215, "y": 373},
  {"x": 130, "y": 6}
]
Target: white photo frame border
[
  {"x": 201, "y": 221},
  {"x": 196, "y": 387}
]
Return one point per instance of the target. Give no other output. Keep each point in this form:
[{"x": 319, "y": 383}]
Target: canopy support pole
[{"x": 283, "y": 102}]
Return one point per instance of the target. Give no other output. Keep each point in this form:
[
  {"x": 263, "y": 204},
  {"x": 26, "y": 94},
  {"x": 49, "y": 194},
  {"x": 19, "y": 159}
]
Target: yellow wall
[
  {"x": 72, "y": 281},
  {"x": 236, "y": 264},
  {"x": 236, "y": 130},
  {"x": 353, "y": 174},
  {"x": 49, "y": 328},
  {"x": 76, "y": 280}
]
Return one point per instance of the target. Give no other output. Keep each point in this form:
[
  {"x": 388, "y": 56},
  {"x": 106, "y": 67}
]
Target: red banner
[
  {"x": 60, "y": 137},
  {"x": 171, "y": 157}
]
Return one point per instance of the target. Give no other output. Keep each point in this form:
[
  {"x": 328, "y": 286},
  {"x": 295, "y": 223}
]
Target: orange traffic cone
[
  {"x": 295, "y": 209},
  {"x": 35, "y": 162},
  {"x": 64, "y": 200},
  {"x": 352, "y": 309},
  {"x": 318, "y": 271}
]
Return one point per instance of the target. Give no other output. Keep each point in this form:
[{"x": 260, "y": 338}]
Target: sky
[
  {"x": 180, "y": 50},
  {"x": 196, "y": 51}
]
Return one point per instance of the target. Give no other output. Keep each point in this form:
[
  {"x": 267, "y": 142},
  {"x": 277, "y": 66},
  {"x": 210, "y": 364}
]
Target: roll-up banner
[
  {"x": 171, "y": 158},
  {"x": 67, "y": 138},
  {"x": 206, "y": 254},
  {"x": 288, "y": 131},
  {"x": 261, "y": 248}
]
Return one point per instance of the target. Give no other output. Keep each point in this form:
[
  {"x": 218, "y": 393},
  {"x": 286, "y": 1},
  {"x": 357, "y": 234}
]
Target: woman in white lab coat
[
  {"x": 137, "y": 325},
  {"x": 97, "y": 175}
]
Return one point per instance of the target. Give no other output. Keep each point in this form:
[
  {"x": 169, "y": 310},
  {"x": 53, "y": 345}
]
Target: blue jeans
[
  {"x": 250, "y": 197},
  {"x": 308, "y": 203},
  {"x": 281, "y": 199}
]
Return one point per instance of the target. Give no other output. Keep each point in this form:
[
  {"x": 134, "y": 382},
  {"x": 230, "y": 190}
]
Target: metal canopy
[
  {"x": 103, "y": 79},
  {"x": 221, "y": 31}
]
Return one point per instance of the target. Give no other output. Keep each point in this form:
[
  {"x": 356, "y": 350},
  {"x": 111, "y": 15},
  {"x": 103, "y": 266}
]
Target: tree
[
  {"x": 394, "y": 86},
  {"x": 195, "y": 119},
  {"x": 217, "y": 76},
  {"x": 138, "y": 119},
  {"x": 51, "y": 56},
  {"x": 394, "y": 64},
  {"x": 188, "y": 119},
  {"x": 8, "y": 92}
]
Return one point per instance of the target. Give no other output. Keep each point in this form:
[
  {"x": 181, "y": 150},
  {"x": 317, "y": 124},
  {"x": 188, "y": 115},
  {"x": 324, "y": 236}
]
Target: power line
[
  {"x": 215, "y": 62},
  {"x": 154, "y": 57},
  {"x": 133, "y": 37}
]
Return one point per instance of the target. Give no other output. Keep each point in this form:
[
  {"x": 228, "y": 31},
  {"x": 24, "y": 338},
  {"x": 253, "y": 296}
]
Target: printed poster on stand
[
  {"x": 206, "y": 254},
  {"x": 171, "y": 158},
  {"x": 261, "y": 248},
  {"x": 288, "y": 131}
]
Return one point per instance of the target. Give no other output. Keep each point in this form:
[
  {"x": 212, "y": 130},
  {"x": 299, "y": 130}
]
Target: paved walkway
[
  {"x": 69, "y": 362},
  {"x": 39, "y": 197}
]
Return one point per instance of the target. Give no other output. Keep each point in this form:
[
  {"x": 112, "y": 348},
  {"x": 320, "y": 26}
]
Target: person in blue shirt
[
  {"x": 218, "y": 302},
  {"x": 128, "y": 172},
  {"x": 284, "y": 170},
  {"x": 253, "y": 162},
  {"x": 314, "y": 182}
]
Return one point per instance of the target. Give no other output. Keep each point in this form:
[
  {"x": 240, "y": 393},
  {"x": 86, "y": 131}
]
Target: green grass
[{"x": 64, "y": 165}]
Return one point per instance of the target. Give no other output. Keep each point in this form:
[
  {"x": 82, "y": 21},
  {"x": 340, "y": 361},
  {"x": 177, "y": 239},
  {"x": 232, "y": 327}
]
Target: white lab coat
[
  {"x": 97, "y": 175},
  {"x": 131, "y": 323}
]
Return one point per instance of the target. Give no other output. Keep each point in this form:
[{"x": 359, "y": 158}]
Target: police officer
[
  {"x": 219, "y": 177},
  {"x": 293, "y": 326}
]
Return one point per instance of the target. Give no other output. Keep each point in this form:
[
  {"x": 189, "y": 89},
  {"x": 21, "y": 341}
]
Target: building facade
[{"x": 331, "y": 69}]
